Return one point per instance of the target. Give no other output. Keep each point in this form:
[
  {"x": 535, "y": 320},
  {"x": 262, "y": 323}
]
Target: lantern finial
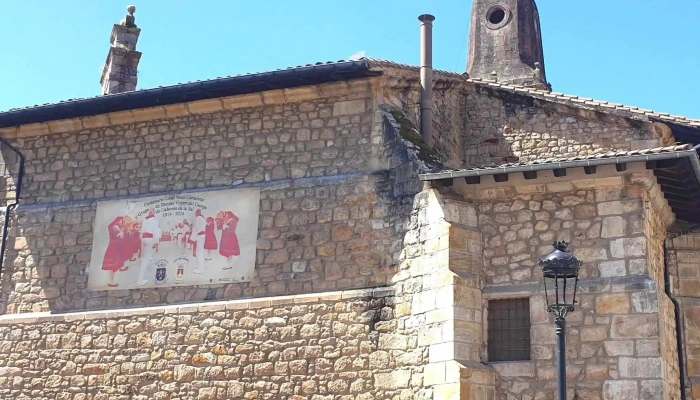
[{"x": 561, "y": 245}]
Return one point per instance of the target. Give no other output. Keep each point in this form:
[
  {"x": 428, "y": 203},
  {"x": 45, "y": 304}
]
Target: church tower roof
[{"x": 505, "y": 44}]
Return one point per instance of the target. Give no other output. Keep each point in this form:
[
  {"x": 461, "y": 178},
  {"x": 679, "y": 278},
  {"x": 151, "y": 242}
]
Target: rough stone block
[
  {"x": 628, "y": 247},
  {"x": 619, "y": 348},
  {"x": 392, "y": 380},
  {"x": 519, "y": 369},
  {"x": 591, "y": 254},
  {"x": 543, "y": 334},
  {"x": 620, "y": 390},
  {"x": 442, "y": 352},
  {"x": 348, "y": 107},
  {"x": 594, "y": 334},
  {"x": 451, "y": 391},
  {"x": 619, "y": 207},
  {"x": 639, "y": 367},
  {"x": 434, "y": 374},
  {"x": 610, "y": 269},
  {"x": 612, "y": 304},
  {"x": 614, "y": 227},
  {"x": 635, "y": 326},
  {"x": 652, "y": 390},
  {"x": 645, "y": 302}
]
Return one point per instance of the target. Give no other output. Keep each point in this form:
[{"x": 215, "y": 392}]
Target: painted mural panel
[{"x": 175, "y": 240}]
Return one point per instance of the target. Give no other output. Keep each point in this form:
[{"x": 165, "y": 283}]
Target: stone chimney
[
  {"x": 505, "y": 43},
  {"x": 120, "y": 71}
]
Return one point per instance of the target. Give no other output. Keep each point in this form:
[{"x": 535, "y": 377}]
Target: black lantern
[{"x": 560, "y": 271}]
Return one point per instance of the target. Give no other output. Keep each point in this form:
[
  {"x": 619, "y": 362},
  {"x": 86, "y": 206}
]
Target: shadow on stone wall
[
  {"x": 502, "y": 127},
  {"x": 10, "y": 166}
]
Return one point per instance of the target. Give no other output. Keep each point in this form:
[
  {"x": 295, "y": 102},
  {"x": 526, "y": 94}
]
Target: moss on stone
[{"x": 409, "y": 132}]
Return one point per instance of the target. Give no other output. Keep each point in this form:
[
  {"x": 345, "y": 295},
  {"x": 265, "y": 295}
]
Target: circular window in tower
[{"x": 497, "y": 17}]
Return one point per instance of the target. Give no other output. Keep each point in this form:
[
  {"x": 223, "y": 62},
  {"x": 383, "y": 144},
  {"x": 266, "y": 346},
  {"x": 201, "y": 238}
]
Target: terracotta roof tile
[
  {"x": 375, "y": 63},
  {"x": 179, "y": 84},
  {"x": 577, "y": 101},
  {"x": 556, "y": 160}
]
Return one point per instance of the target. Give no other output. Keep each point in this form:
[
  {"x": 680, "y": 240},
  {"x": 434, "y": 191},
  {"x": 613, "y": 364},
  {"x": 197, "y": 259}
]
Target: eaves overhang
[
  {"x": 676, "y": 172},
  {"x": 313, "y": 74}
]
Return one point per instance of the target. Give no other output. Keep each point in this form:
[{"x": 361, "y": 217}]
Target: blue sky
[{"x": 642, "y": 53}]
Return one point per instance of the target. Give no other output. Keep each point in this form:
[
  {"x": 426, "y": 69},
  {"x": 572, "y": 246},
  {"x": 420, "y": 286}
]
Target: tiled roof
[
  {"x": 554, "y": 162},
  {"x": 382, "y": 64},
  {"x": 310, "y": 74},
  {"x": 672, "y": 166},
  {"x": 575, "y": 101},
  {"x": 299, "y": 67},
  {"x": 12, "y": 118}
]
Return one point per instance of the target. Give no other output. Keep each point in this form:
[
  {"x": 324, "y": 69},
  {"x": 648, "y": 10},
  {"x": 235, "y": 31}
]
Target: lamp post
[{"x": 560, "y": 271}]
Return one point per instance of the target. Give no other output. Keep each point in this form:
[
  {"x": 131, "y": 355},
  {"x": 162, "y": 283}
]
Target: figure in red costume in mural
[
  {"x": 229, "y": 246},
  {"x": 132, "y": 241},
  {"x": 210, "y": 242},
  {"x": 115, "y": 255}
]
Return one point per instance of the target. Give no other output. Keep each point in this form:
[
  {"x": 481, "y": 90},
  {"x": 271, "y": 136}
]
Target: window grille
[{"x": 509, "y": 330}]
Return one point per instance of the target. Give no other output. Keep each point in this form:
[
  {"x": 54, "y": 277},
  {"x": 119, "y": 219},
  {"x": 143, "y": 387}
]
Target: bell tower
[{"x": 505, "y": 43}]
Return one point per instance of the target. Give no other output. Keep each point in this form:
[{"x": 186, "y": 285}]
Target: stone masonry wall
[
  {"x": 328, "y": 216},
  {"x": 685, "y": 253},
  {"x": 333, "y": 346},
  {"x": 449, "y": 106},
  {"x": 605, "y": 226},
  {"x": 655, "y": 229},
  {"x": 505, "y": 128},
  {"x": 618, "y": 339},
  {"x": 313, "y": 138},
  {"x": 438, "y": 298},
  {"x": 313, "y": 237}
]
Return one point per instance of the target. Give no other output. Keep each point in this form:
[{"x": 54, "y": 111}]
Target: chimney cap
[{"x": 426, "y": 18}]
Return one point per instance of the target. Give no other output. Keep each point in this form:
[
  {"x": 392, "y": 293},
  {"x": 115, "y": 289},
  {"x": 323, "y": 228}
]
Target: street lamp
[{"x": 560, "y": 271}]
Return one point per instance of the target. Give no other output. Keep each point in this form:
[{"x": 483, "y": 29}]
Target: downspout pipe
[
  {"x": 15, "y": 202},
  {"x": 680, "y": 342},
  {"x": 682, "y": 372},
  {"x": 678, "y": 318},
  {"x": 426, "y": 78}
]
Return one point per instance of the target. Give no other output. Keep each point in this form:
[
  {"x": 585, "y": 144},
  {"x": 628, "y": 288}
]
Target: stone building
[{"x": 387, "y": 264}]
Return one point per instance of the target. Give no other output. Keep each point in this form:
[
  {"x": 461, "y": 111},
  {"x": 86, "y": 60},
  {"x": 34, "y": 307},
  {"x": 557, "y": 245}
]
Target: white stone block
[
  {"x": 620, "y": 390},
  {"x": 609, "y": 269},
  {"x": 348, "y": 107},
  {"x": 619, "y": 348},
  {"x": 614, "y": 227},
  {"x": 639, "y": 367},
  {"x": 628, "y": 247},
  {"x": 515, "y": 369}
]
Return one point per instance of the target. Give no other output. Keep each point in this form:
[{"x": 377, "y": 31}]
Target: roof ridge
[
  {"x": 198, "y": 81},
  {"x": 603, "y": 153},
  {"x": 370, "y": 64},
  {"x": 376, "y": 62},
  {"x": 544, "y": 93},
  {"x": 547, "y": 95}
]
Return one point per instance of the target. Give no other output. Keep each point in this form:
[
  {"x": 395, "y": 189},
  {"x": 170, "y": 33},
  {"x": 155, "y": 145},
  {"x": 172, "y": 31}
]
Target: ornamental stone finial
[{"x": 130, "y": 20}]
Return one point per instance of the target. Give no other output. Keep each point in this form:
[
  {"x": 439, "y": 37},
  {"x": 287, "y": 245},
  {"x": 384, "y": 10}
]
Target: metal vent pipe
[{"x": 426, "y": 78}]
